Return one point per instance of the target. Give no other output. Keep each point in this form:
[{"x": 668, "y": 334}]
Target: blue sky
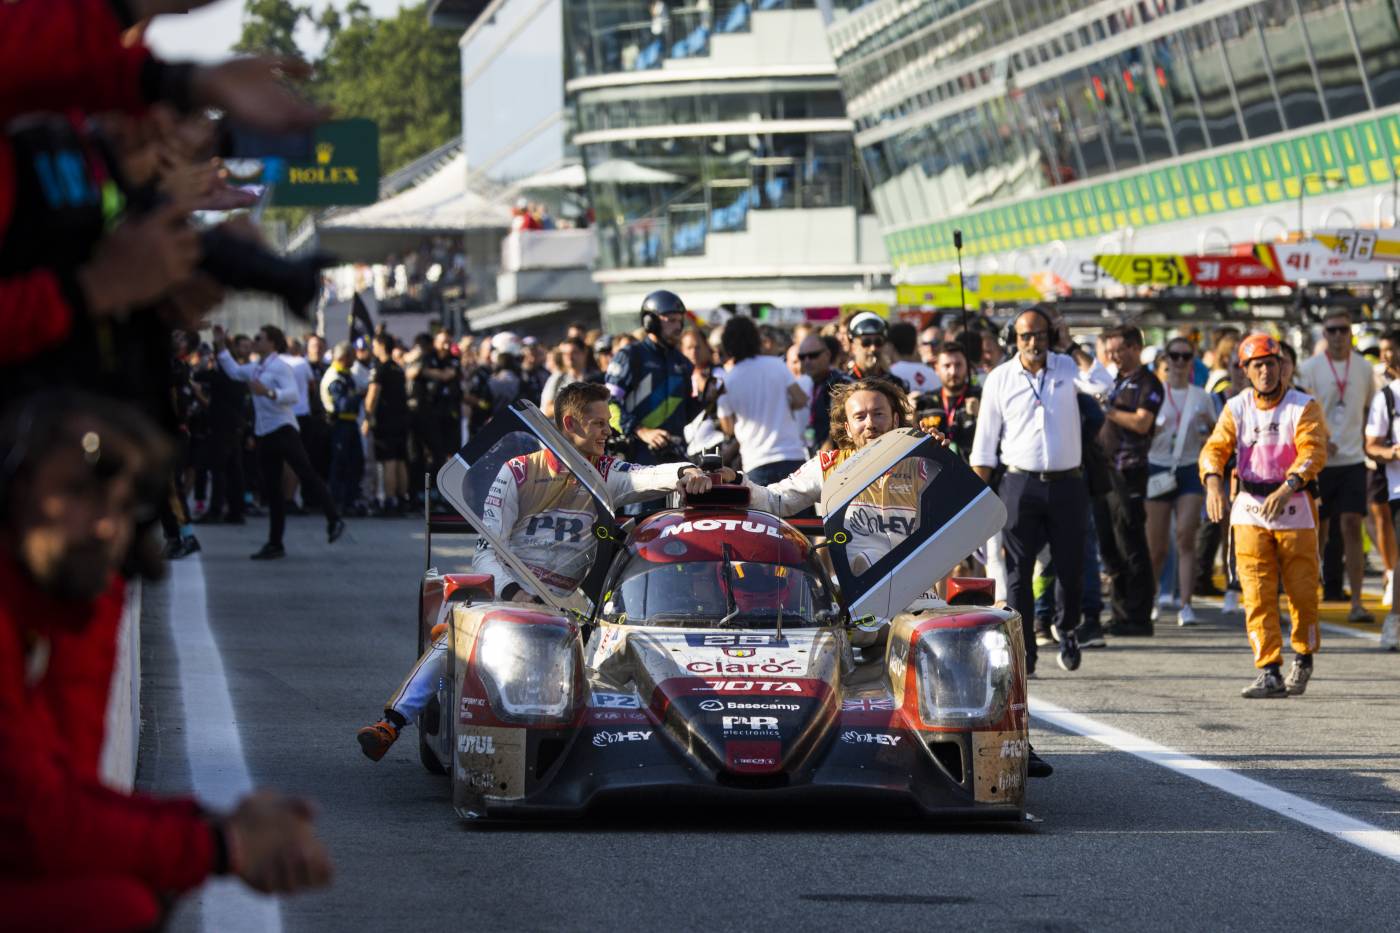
[{"x": 208, "y": 33}]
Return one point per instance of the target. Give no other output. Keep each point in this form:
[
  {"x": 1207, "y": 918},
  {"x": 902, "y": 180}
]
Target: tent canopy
[
  {"x": 612, "y": 171},
  {"x": 441, "y": 204}
]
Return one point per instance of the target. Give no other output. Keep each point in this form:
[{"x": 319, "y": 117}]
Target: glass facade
[
  {"x": 962, "y": 105},
  {"x": 669, "y": 163}
]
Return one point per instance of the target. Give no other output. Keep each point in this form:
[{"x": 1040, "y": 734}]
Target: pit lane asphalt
[{"x": 313, "y": 644}]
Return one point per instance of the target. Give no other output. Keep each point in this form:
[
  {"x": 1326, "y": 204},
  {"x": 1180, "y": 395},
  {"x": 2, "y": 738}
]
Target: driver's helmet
[{"x": 756, "y": 586}]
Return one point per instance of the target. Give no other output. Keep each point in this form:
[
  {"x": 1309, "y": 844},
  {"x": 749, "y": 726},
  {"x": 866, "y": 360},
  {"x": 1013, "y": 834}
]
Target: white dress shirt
[
  {"x": 270, "y": 412},
  {"x": 303, "y": 375},
  {"x": 1032, "y": 418}
]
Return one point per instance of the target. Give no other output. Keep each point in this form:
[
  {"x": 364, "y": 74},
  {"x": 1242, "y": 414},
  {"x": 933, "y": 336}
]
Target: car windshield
[{"x": 694, "y": 594}]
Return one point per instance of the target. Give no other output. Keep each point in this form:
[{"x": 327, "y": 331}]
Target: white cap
[{"x": 506, "y": 342}]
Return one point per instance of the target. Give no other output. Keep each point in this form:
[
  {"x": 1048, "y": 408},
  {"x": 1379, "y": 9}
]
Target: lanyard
[
  {"x": 1341, "y": 383},
  {"x": 950, "y": 409},
  {"x": 1036, "y": 391}
]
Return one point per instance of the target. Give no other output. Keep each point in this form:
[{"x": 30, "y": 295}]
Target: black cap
[{"x": 663, "y": 302}]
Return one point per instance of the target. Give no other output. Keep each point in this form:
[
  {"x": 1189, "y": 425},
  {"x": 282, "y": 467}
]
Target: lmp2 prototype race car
[{"x": 712, "y": 648}]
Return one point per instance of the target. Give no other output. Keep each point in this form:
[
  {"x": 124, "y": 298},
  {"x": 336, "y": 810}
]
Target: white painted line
[
  {"x": 1382, "y": 842},
  {"x": 1336, "y": 629},
  {"x": 218, "y": 774}
]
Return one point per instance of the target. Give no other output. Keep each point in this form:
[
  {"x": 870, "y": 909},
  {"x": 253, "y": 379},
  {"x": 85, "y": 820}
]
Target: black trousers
[
  {"x": 226, "y": 470},
  {"x": 279, "y": 448},
  {"x": 1038, "y": 512},
  {"x": 1123, "y": 545}
]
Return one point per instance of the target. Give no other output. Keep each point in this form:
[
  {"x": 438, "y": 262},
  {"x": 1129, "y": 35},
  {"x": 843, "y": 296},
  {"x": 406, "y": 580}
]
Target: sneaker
[
  {"x": 270, "y": 552},
  {"x": 1390, "y": 633},
  {"x": 1267, "y": 686},
  {"x": 1045, "y": 639},
  {"x": 334, "y": 530},
  {"x": 375, "y": 739},
  {"x": 1069, "y": 652},
  {"x": 1090, "y": 634},
  {"x": 1186, "y": 616},
  {"x": 1156, "y": 612},
  {"x": 1360, "y": 616},
  {"x": 1036, "y": 766},
  {"x": 1298, "y": 674},
  {"x": 1231, "y": 604}
]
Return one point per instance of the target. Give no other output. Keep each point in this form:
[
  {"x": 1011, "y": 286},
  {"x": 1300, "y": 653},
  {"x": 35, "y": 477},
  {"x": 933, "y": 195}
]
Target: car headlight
[
  {"x": 964, "y": 676},
  {"x": 528, "y": 670}
]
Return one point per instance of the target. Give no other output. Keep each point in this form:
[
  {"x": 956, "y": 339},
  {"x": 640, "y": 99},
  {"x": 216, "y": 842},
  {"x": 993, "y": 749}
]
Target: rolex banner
[{"x": 344, "y": 168}]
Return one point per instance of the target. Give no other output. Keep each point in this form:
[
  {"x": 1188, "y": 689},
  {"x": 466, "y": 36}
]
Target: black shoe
[
  {"x": 177, "y": 548},
  {"x": 334, "y": 530},
  {"x": 1069, "y": 651},
  {"x": 1267, "y": 686},
  {"x": 191, "y": 544},
  {"x": 1038, "y": 767},
  {"x": 1090, "y": 634},
  {"x": 270, "y": 552}
]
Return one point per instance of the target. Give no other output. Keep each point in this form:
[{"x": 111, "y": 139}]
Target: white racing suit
[
  {"x": 550, "y": 516},
  {"x": 878, "y": 519}
]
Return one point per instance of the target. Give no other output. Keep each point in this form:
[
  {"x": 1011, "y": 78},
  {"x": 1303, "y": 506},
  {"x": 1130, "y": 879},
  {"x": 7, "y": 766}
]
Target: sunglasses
[
  {"x": 872, "y": 342},
  {"x": 1180, "y": 357},
  {"x": 1339, "y": 329},
  {"x": 810, "y": 356}
]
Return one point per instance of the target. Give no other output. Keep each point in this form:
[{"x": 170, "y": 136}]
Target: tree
[
  {"x": 399, "y": 72},
  {"x": 269, "y": 27}
]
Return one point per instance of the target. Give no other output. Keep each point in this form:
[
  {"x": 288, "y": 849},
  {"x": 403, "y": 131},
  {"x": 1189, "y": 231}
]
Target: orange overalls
[{"x": 1273, "y": 442}]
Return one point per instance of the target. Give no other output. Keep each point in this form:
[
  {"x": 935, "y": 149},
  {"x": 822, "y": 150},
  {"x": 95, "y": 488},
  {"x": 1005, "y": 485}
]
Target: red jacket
[{"x": 56, "y": 820}]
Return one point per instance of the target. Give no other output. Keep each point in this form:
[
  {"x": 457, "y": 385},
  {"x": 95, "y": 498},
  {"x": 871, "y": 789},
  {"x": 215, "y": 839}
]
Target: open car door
[
  {"x": 901, "y": 514},
  {"x": 537, "y": 503}
]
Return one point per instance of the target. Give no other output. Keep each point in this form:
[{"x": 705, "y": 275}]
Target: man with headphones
[
  {"x": 1029, "y": 422},
  {"x": 867, "y": 333},
  {"x": 649, "y": 380}
]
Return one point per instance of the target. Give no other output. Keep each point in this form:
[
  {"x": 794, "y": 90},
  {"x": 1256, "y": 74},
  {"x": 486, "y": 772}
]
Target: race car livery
[{"x": 555, "y": 539}]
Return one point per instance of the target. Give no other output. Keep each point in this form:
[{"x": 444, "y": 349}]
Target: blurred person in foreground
[
  {"x": 1280, "y": 441},
  {"x": 78, "y": 475}
]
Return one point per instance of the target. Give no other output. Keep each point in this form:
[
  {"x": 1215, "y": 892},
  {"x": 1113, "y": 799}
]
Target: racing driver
[
  {"x": 1281, "y": 442},
  {"x": 861, "y": 412},
  {"x": 535, "y": 496}
]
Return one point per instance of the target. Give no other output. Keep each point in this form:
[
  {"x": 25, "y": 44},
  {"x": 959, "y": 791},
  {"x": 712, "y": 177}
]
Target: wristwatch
[{"x": 1294, "y": 483}]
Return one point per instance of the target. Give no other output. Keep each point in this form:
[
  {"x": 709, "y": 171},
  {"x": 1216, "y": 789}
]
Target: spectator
[
  {"x": 1030, "y": 424},
  {"x": 445, "y": 378},
  {"x": 1131, "y": 415},
  {"x": 386, "y": 415},
  {"x": 278, "y": 443},
  {"x": 1343, "y": 384},
  {"x": 1224, "y": 341},
  {"x": 1174, "y": 487},
  {"x": 347, "y": 456},
  {"x": 953, "y": 408},
  {"x": 228, "y": 427},
  {"x": 930, "y": 343},
  {"x": 507, "y": 382},
  {"x": 903, "y": 344},
  {"x": 1383, "y": 446},
  {"x": 755, "y": 408},
  {"x": 817, "y": 355},
  {"x": 476, "y": 388},
  {"x": 75, "y": 854},
  {"x": 574, "y": 358},
  {"x": 1378, "y": 497},
  {"x": 533, "y": 374}
]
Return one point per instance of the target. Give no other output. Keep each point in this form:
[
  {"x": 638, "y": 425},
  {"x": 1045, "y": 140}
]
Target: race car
[{"x": 714, "y": 649}]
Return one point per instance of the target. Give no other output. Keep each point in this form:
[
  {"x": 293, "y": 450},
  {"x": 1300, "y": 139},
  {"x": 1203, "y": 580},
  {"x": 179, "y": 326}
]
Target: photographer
[{"x": 78, "y": 473}]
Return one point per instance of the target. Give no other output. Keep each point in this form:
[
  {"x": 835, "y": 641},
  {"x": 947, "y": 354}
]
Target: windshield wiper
[{"x": 733, "y": 609}]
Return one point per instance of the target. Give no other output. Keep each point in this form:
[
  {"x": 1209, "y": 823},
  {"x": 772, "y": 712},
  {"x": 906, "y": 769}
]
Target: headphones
[{"x": 1009, "y": 337}]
